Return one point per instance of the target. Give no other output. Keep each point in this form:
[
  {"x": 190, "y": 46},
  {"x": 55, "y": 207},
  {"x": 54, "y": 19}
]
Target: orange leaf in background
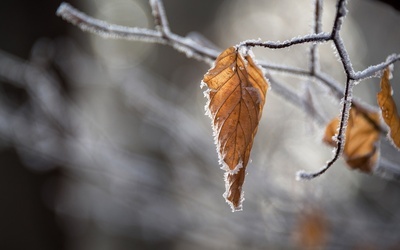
[
  {"x": 388, "y": 107},
  {"x": 236, "y": 96},
  {"x": 360, "y": 150},
  {"x": 311, "y": 229}
]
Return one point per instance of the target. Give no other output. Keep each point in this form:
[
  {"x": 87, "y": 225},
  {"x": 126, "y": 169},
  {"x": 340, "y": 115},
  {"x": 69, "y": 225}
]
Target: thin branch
[
  {"x": 107, "y": 30},
  {"x": 310, "y": 38},
  {"x": 284, "y": 69},
  {"x": 327, "y": 81},
  {"x": 340, "y": 138},
  {"x": 372, "y": 70},
  {"x": 331, "y": 83},
  {"x": 341, "y": 12},
  {"x": 314, "y": 65},
  {"x": 344, "y": 56},
  {"x": 297, "y": 100},
  {"x": 318, "y": 16},
  {"x": 362, "y": 107},
  {"x": 160, "y": 18}
]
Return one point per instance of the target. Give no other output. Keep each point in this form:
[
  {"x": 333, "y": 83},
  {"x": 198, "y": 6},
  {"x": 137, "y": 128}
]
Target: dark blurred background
[
  {"x": 104, "y": 144},
  {"x": 26, "y": 221}
]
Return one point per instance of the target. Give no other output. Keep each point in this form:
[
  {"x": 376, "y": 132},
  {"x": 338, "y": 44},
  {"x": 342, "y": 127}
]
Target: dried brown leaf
[
  {"x": 389, "y": 109},
  {"x": 236, "y": 95},
  {"x": 360, "y": 151},
  {"x": 311, "y": 230}
]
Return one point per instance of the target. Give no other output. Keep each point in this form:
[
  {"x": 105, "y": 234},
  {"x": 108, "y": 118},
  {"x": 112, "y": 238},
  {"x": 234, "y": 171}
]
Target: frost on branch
[
  {"x": 236, "y": 95},
  {"x": 361, "y": 149}
]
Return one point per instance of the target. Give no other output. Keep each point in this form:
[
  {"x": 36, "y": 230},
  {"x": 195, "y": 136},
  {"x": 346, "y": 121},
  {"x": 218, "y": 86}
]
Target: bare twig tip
[
  {"x": 301, "y": 175},
  {"x": 61, "y": 9}
]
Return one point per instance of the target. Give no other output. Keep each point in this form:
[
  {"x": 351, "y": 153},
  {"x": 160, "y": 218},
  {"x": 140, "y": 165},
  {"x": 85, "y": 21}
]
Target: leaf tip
[
  {"x": 235, "y": 208},
  {"x": 234, "y": 195}
]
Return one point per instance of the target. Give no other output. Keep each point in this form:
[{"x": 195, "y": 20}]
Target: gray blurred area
[{"x": 104, "y": 144}]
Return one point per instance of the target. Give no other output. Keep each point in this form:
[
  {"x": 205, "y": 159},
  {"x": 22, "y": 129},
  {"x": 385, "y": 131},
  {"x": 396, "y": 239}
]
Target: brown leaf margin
[{"x": 389, "y": 109}]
